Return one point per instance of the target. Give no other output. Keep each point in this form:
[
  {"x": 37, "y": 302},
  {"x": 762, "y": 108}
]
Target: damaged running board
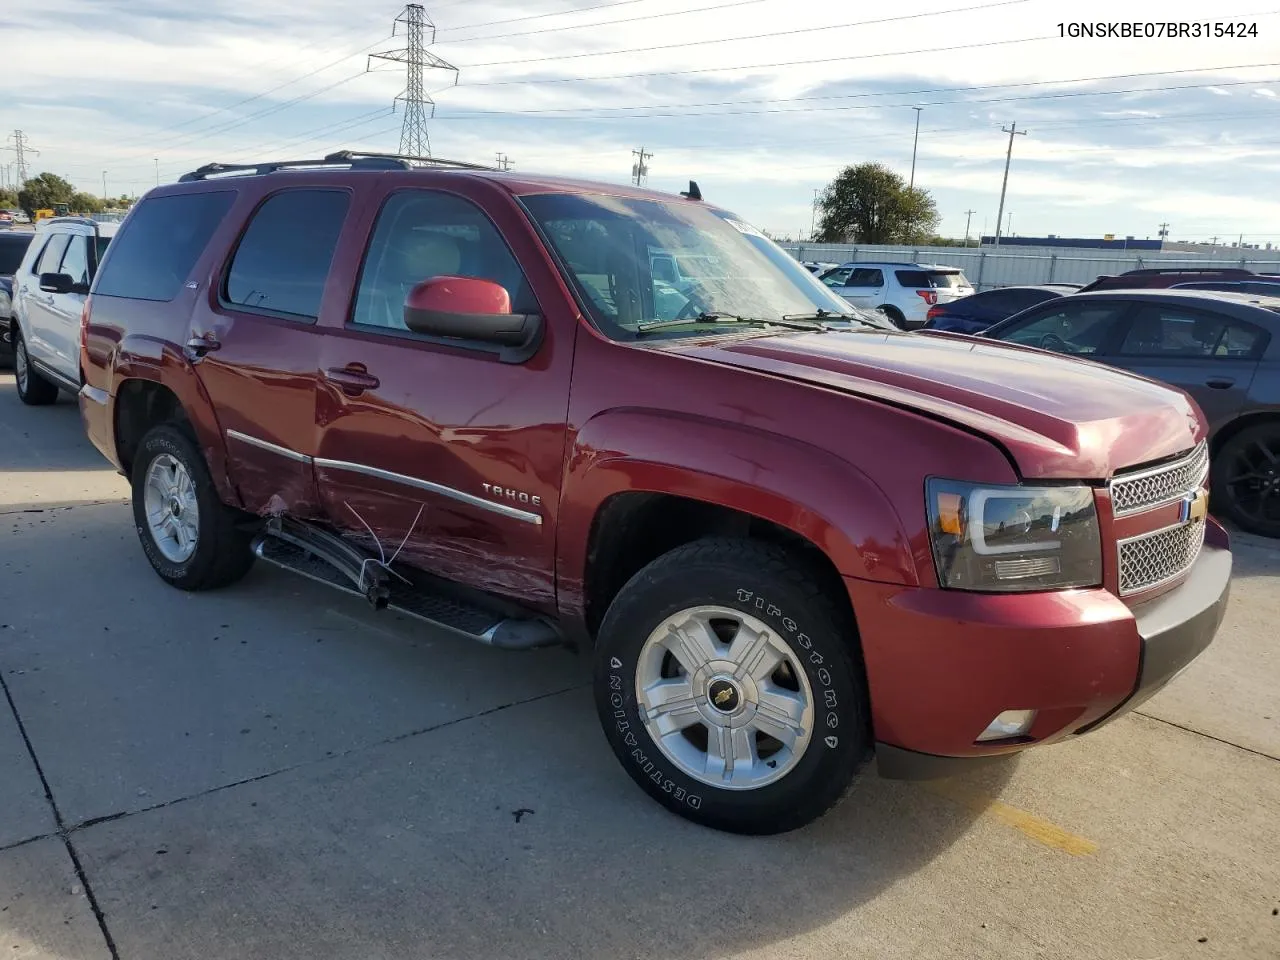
[{"x": 326, "y": 558}]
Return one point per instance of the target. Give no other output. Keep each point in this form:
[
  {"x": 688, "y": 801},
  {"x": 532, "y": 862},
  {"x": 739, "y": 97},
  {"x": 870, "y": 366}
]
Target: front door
[
  {"x": 255, "y": 345},
  {"x": 1207, "y": 354},
  {"x": 447, "y": 453},
  {"x": 37, "y": 304}
]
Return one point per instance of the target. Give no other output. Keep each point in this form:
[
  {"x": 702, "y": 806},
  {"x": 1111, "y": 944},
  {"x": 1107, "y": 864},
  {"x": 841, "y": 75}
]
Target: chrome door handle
[
  {"x": 353, "y": 379},
  {"x": 199, "y": 346}
]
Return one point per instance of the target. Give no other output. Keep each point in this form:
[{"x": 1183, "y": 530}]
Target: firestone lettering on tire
[
  {"x": 829, "y": 699},
  {"x": 651, "y": 769}
]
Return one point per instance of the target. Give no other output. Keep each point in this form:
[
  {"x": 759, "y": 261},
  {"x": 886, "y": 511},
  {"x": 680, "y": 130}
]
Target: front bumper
[{"x": 942, "y": 664}]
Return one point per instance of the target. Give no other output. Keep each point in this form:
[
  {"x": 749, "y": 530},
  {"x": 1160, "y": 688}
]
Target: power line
[
  {"x": 414, "y": 141},
  {"x": 541, "y": 16},
  {"x": 546, "y": 114},
  {"x": 609, "y": 23},
  {"x": 759, "y": 36},
  {"x": 974, "y": 88}
]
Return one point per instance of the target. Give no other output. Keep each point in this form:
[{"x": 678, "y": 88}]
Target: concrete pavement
[{"x": 273, "y": 771}]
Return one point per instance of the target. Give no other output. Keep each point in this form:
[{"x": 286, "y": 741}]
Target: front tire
[
  {"x": 33, "y": 389},
  {"x": 729, "y": 688},
  {"x": 189, "y": 535}
]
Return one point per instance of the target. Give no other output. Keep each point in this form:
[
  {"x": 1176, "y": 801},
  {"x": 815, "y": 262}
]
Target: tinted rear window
[
  {"x": 283, "y": 260},
  {"x": 159, "y": 244},
  {"x": 930, "y": 279},
  {"x": 11, "y": 252}
]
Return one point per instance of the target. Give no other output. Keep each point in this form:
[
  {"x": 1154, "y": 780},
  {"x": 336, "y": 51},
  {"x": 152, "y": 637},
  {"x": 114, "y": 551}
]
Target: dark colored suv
[
  {"x": 788, "y": 536},
  {"x": 1222, "y": 348},
  {"x": 1158, "y": 277}
]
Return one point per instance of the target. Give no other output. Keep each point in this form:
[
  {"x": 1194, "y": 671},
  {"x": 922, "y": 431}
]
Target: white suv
[
  {"x": 49, "y": 291},
  {"x": 903, "y": 292}
]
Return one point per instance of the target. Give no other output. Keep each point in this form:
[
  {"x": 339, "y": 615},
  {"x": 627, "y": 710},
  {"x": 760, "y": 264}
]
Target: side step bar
[{"x": 327, "y": 558}]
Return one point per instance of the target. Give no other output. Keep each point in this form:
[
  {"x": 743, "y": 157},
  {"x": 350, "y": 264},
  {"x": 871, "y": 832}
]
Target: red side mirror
[
  {"x": 457, "y": 295},
  {"x": 466, "y": 308}
]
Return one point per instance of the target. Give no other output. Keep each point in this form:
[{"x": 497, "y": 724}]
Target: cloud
[{"x": 136, "y": 80}]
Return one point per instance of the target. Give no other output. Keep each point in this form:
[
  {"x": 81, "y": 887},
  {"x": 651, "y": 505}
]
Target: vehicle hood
[{"x": 1058, "y": 417}]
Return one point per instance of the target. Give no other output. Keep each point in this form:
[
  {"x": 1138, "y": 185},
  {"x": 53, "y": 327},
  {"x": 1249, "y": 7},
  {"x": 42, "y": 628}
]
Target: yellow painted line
[{"x": 1037, "y": 828}]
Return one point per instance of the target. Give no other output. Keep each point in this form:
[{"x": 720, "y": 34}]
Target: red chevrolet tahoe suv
[{"x": 791, "y": 536}]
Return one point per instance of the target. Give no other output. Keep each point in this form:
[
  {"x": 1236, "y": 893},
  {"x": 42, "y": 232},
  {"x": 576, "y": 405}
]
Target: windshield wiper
[
  {"x": 800, "y": 321},
  {"x": 700, "y": 318},
  {"x": 825, "y": 317}
]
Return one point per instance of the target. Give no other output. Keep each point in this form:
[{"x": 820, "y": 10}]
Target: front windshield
[{"x": 641, "y": 262}]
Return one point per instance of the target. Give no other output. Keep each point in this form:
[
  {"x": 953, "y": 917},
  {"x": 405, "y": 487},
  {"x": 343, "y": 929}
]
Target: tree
[
  {"x": 8, "y": 199},
  {"x": 85, "y": 203},
  {"x": 870, "y": 203},
  {"x": 43, "y": 191}
]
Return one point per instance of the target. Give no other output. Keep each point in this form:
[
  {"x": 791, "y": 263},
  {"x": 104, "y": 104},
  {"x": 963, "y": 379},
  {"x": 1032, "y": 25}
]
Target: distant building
[{"x": 1093, "y": 243}]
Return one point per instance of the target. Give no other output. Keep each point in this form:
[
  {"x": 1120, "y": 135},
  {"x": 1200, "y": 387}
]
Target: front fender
[
  {"x": 158, "y": 361},
  {"x": 796, "y": 485}
]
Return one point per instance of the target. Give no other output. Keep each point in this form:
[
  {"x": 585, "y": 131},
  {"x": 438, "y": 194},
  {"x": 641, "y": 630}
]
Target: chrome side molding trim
[
  {"x": 271, "y": 447},
  {"x": 500, "y": 508}
]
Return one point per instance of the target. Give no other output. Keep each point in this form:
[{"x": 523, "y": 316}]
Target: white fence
[{"x": 988, "y": 267}]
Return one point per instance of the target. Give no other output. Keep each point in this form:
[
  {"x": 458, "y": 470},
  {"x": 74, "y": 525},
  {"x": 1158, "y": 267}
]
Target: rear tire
[
  {"x": 1246, "y": 479},
  {"x": 33, "y": 389},
  {"x": 705, "y": 655},
  {"x": 189, "y": 535}
]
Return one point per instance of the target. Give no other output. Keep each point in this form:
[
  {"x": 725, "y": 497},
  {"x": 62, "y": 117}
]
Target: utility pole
[
  {"x": 21, "y": 147},
  {"x": 813, "y": 221},
  {"x": 914, "y": 143},
  {"x": 104, "y": 187},
  {"x": 1010, "y": 233},
  {"x": 640, "y": 169},
  {"x": 504, "y": 163},
  {"x": 157, "y": 160},
  {"x": 1012, "y": 131},
  {"x": 968, "y": 216},
  {"x": 414, "y": 141},
  {"x": 1163, "y": 234}
]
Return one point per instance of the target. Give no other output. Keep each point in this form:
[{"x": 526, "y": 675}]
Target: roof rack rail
[{"x": 352, "y": 159}]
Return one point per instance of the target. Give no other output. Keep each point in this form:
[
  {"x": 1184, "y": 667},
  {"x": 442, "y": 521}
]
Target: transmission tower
[
  {"x": 21, "y": 147},
  {"x": 414, "y": 141},
  {"x": 504, "y": 162}
]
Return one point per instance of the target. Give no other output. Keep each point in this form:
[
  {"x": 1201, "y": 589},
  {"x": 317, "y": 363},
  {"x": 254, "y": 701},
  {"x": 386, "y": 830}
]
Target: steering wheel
[
  {"x": 688, "y": 311},
  {"x": 1051, "y": 341}
]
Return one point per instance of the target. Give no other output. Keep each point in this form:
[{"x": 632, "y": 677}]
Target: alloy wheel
[
  {"x": 1253, "y": 479},
  {"x": 173, "y": 513},
  {"x": 724, "y": 697}
]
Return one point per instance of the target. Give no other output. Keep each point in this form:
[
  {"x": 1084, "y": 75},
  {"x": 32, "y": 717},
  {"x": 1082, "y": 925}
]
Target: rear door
[
  {"x": 254, "y": 343},
  {"x": 862, "y": 286},
  {"x": 1210, "y": 355}
]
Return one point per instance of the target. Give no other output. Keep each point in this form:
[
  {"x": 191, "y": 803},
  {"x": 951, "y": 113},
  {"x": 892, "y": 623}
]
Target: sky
[{"x": 761, "y": 101}]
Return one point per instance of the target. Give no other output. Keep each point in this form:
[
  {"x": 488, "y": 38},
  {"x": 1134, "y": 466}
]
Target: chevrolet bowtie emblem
[
  {"x": 1195, "y": 506},
  {"x": 724, "y": 696}
]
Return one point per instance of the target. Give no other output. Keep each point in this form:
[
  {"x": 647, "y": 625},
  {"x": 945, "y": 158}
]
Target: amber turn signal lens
[{"x": 950, "y": 518}]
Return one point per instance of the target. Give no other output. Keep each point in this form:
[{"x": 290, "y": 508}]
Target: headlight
[{"x": 1013, "y": 538}]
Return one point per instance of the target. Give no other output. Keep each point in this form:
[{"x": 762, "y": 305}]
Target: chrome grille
[
  {"x": 1162, "y": 484},
  {"x": 1154, "y": 558}
]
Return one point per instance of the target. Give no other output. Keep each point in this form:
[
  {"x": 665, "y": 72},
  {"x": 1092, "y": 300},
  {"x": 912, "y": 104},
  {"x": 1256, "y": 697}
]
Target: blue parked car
[{"x": 980, "y": 310}]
